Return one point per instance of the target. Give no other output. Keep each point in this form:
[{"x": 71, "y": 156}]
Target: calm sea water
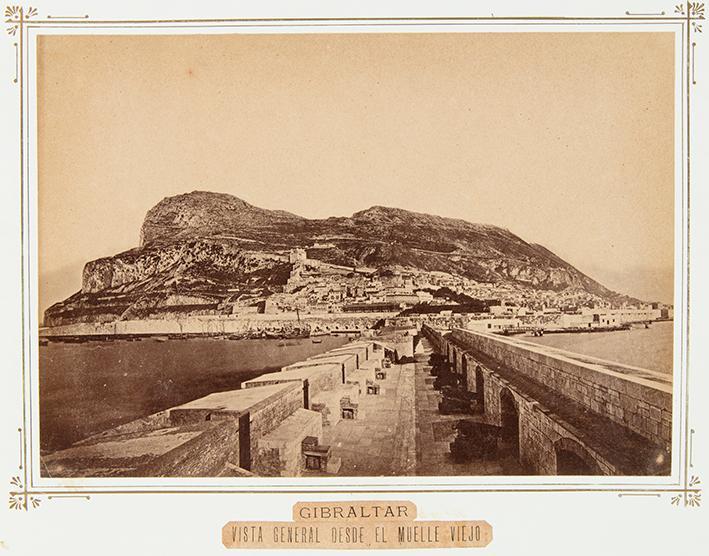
[
  {"x": 90, "y": 387},
  {"x": 649, "y": 348}
]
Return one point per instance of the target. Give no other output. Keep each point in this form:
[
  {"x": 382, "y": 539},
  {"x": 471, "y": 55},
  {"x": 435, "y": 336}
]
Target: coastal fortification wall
[
  {"x": 316, "y": 379},
  {"x": 207, "y": 455},
  {"x": 260, "y": 428},
  {"x": 280, "y": 453},
  {"x": 562, "y": 413},
  {"x": 217, "y": 325},
  {"x": 638, "y": 399},
  {"x": 436, "y": 336},
  {"x": 267, "y": 417}
]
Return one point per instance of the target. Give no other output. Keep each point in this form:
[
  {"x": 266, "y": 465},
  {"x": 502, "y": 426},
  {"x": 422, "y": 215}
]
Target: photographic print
[
  {"x": 356, "y": 254},
  {"x": 335, "y": 276}
]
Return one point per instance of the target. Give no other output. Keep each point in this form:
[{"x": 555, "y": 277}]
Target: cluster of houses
[
  {"x": 315, "y": 287},
  {"x": 506, "y": 318}
]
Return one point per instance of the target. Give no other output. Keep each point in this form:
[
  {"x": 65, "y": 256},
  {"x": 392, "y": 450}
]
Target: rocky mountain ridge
[{"x": 211, "y": 249}]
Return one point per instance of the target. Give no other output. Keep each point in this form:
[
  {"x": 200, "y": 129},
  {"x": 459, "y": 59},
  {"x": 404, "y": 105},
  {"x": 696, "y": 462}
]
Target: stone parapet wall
[
  {"x": 279, "y": 453},
  {"x": 362, "y": 351},
  {"x": 538, "y": 431},
  {"x": 470, "y": 377},
  {"x": 269, "y": 416},
  {"x": 636, "y": 403},
  {"x": 205, "y": 456},
  {"x": 347, "y": 362},
  {"x": 324, "y": 378},
  {"x": 329, "y": 379},
  {"x": 436, "y": 337}
]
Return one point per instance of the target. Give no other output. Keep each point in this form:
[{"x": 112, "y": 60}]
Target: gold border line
[{"x": 690, "y": 490}]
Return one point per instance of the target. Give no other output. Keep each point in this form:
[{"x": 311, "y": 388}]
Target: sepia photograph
[
  {"x": 380, "y": 254},
  {"x": 303, "y": 275}
]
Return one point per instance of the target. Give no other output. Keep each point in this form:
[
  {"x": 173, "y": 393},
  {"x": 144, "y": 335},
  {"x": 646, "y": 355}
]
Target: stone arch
[
  {"x": 509, "y": 420},
  {"x": 573, "y": 459},
  {"x": 464, "y": 370},
  {"x": 480, "y": 387}
]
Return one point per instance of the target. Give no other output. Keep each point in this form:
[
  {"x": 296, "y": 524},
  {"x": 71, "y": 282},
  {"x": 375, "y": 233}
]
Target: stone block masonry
[
  {"x": 315, "y": 379},
  {"x": 279, "y": 453},
  {"x": 258, "y": 429},
  {"x": 212, "y": 325},
  {"x": 635, "y": 398},
  {"x": 563, "y": 413},
  {"x": 207, "y": 455}
]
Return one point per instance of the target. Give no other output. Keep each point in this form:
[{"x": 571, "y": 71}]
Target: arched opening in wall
[
  {"x": 509, "y": 435},
  {"x": 573, "y": 459},
  {"x": 464, "y": 368},
  {"x": 480, "y": 388}
]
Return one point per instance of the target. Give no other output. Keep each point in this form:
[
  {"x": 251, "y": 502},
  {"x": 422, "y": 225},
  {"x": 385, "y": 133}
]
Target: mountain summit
[
  {"x": 206, "y": 214},
  {"x": 206, "y": 253}
]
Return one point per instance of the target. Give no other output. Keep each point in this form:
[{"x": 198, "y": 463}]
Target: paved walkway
[
  {"x": 400, "y": 431},
  {"x": 381, "y": 440},
  {"x": 435, "y": 432}
]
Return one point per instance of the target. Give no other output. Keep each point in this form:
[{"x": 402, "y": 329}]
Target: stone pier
[
  {"x": 277, "y": 424},
  {"x": 564, "y": 413},
  {"x": 369, "y": 408}
]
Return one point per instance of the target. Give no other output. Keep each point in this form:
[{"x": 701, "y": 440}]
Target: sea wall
[
  {"x": 634, "y": 398},
  {"x": 562, "y": 413},
  {"x": 205, "y": 456},
  {"x": 217, "y": 325},
  {"x": 436, "y": 336}
]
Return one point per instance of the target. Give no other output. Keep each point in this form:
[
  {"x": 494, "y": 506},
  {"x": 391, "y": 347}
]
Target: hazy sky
[{"x": 565, "y": 139}]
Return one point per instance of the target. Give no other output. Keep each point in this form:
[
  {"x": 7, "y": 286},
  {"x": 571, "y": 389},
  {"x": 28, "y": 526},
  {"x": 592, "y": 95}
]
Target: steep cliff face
[
  {"x": 188, "y": 277},
  {"x": 214, "y": 262},
  {"x": 200, "y": 250},
  {"x": 130, "y": 267}
]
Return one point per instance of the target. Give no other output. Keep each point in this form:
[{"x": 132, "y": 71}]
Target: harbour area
[
  {"x": 92, "y": 386},
  {"x": 402, "y": 401},
  {"x": 275, "y": 424},
  {"x": 255, "y": 326}
]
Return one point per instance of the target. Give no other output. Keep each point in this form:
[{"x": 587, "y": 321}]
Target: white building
[{"x": 494, "y": 324}]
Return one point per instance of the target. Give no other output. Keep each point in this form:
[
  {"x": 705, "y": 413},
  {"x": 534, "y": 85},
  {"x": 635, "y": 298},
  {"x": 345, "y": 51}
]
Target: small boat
[{"x": 317, "y": 340}]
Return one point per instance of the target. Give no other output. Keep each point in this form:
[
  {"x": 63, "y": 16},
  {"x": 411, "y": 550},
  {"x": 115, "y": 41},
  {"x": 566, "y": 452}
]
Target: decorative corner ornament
[
  {"x": 693, "y": 9},
  {"x": 693, "y": 12},
  {"x": 15, "y": 16},
  {"x": 21, "y": 499},
  {"x": 691, "y": 495}
]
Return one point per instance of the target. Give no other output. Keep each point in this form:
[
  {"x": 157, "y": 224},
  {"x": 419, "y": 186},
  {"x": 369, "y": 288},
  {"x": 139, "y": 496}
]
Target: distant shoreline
[
  {"x": 276, "y": 325},
  {"x": 82, "y": 338}
]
